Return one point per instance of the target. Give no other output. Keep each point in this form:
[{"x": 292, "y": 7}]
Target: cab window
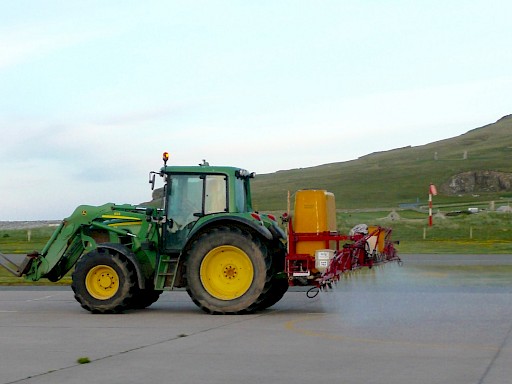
[{"x": 215, "y": 197}]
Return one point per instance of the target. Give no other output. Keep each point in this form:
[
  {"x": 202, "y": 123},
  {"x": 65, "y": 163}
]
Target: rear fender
[
  {"x": 240, "y": 222},
  {"x": 277, "y": 232}
]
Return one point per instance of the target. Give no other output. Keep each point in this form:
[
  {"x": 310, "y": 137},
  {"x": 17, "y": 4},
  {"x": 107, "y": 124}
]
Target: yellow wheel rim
[
  {"x": 102, "y": 282},
  {"x": 226, "y": 272}
]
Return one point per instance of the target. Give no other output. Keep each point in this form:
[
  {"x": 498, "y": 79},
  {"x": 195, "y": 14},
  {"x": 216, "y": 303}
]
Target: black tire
[
  {"x": 278, "y": 287},
  {"x": 143, "y": 298},
  {"x": 228, "y": 271},
  {"x": 104, "y": 282},
  {"x": 279, "y": 284}
]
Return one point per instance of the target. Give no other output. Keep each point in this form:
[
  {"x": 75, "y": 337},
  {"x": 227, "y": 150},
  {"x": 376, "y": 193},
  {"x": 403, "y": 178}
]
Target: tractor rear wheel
[
  {"x": 143, "y": 298},
  {"x": 279, "y": 284},
  {"x": 278, "y": 287},
  {"x": 104, "y": 282},
  {"x": 228, "y": 271}
]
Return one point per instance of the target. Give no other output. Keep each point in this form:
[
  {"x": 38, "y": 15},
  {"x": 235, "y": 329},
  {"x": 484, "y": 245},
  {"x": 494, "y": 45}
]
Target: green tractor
[{"x": 205, "y": 237}]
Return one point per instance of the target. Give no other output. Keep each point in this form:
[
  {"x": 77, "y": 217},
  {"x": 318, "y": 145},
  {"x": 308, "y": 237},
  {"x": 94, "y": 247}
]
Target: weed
[{"x": 83, "y": 360}]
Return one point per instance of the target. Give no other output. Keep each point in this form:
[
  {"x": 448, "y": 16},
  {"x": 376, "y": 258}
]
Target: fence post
[{"x": 432, "y": 191}]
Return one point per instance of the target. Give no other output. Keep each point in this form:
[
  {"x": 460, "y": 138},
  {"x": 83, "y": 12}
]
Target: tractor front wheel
[
  {"x": 228, "y": 271},
  {"x": 104, "y": 282}
]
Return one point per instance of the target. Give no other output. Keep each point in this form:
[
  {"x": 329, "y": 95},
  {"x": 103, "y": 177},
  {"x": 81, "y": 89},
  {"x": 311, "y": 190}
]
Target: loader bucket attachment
[{"x": 15, "y": 269}]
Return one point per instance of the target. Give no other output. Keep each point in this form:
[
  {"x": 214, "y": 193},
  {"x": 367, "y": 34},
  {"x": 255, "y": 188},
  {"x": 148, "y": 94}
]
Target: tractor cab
[{"x": 197, "y": 194}]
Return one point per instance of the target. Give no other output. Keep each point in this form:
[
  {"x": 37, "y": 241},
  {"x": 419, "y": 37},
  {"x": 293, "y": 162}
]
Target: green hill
[{"x": 403, "y": 175}]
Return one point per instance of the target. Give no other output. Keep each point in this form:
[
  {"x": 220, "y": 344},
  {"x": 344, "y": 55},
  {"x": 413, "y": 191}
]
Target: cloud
[
  {"x": 145, "y": 115},
  {"x": 25, "y": 41}
]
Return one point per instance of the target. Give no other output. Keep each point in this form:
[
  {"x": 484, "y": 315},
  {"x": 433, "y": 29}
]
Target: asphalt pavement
[{"x": 419, "y": 323}]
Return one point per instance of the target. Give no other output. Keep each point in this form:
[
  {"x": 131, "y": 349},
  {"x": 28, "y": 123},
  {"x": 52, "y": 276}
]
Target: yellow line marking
[{"x": 292, "y": 326}]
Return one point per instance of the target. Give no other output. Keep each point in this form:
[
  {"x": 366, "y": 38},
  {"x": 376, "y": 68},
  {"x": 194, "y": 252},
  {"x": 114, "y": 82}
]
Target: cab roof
[{"x": 206, "y": 169}]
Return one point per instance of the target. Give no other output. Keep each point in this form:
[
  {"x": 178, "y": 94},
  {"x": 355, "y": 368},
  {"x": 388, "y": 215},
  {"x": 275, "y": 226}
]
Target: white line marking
[{"x": 40, "y": 298}]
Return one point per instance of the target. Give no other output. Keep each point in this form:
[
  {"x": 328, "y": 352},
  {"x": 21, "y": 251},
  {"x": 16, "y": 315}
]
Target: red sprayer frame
[{"x": 350, "y": 252}]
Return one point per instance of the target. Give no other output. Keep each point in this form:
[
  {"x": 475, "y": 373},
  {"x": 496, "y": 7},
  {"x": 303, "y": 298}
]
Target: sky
[{"x": 92, "y": 92}]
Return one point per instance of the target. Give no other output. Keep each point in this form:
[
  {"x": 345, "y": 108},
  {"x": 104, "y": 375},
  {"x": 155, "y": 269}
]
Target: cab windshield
[{"x": 241, "y": 193}]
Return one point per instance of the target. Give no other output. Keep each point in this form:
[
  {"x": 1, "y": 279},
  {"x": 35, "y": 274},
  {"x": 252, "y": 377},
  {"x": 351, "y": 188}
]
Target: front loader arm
[{"x": 71, "y": 239}]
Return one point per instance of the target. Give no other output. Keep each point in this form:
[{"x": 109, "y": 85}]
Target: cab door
[{"x": 189, "y": 198}]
